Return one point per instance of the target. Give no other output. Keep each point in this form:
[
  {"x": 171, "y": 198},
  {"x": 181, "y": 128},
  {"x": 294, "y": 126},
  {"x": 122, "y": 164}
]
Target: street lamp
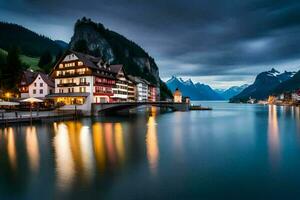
[{"x": 7, "y": 95}]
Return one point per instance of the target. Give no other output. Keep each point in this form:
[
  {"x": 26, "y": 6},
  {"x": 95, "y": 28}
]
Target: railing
[
  {"x": 73, "y": 84},
  {"x": 84, "y": 84},
  {"x": 66, "y": 84},
  {"x": 73, "y": 74}
]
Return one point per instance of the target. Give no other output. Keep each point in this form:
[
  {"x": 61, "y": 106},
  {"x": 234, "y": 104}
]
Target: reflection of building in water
[
  {"x": 152, "y": 144},
  {"x": 108, "y": 130},
  {"x": 119, "y": 141},
  {"x": 99, "y": 146},
  {"x": 65, "y": 169},
  {"x": 109, "y": 148},
  {"x": 273, "y": 134},
  {"x": 86, "y": 153},
  {"x": 177, "y": 135},
  {"x": 11, "y": 147},
  {"x": 297, "y": 116},
  {"x": 32, "y": 147}
]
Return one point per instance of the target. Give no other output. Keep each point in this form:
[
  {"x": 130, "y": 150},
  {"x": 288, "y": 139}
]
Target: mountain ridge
[
  {"x": 30, "y": 43},
  {"x": 196, "y": 91},
  {"x": 264, "y": 85}
]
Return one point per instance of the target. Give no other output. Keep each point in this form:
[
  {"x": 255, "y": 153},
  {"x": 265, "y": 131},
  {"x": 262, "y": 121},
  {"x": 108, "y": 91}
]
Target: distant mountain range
[
  {"x": 231, "y": 92},
  {"x": 268, "y": 83},
  {"x": 62, "y": 44},
  {"x": 195, "y": 91}
]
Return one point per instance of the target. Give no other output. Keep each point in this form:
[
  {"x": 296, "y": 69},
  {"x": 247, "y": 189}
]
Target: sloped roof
[
  {"x": 47, "y": 79},
  {"x": 116, "y": 68},
  {"x": 177, "y": 92},
  {"x": 28, "y": 77},
  {"x": 90, "y": 61}
]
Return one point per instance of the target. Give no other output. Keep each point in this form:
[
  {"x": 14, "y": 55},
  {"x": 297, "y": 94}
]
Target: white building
[
  {"x": 81, "y": 80},
  {"x": 296, "y": 96},
  {"x": 36, "y": 85},
  {"x": 142, "y": 90},
  {"x": 120, "y": 90}
]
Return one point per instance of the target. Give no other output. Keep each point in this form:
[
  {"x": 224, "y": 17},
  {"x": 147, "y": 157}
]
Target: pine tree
[
  {"x": 12, "y": 70},
  {"x": 45, "y": 62}
]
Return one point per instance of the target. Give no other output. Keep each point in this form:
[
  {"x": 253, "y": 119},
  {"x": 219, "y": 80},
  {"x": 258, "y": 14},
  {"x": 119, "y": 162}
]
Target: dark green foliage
[
  {"x": 125, "y": 51},
  {"x": 12, "y": 70},
  {"x": 30, "y": 43},
  {"x": 81, "y": 46},
  {"x": 58, "y": 56},
  {"x": 45, "y": 62},
  {"x": 2, "y": 65},
  {"x": 165, "y": 93}
]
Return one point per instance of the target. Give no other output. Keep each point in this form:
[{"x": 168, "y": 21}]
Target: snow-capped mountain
[
  {"x": 263, "y": 86},
  {"x": 195, "y": 91},
  {"x": 232, "y": 91}
]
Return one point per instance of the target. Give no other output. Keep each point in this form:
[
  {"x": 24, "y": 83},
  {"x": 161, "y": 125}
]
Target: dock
[
  {"x": 197, "y": 107},
  {"x": 26, "y": 117}
]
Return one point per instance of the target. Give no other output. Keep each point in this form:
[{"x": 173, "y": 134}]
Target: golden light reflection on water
[
  {"x": 152, "y": 144},
  {"x": 119, "y": 142},
  {"x": 80, "y": 150},
  {"x": 109, "y": 140},
  {"x": 86, "y": 153},
  {"x": 32, "y": 147},
  {"x": 99, "y": 146},
  {"x": 273, "y": 135},
  {"x": 65, "y": 166},
  {"x": 11, "y": 147}
]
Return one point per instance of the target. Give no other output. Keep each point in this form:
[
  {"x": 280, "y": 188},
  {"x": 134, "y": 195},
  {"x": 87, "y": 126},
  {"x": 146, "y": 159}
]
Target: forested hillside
[{"x": 29, "y": 42}]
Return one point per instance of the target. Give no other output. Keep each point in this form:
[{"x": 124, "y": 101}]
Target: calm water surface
[{"x": 233, "y": 152}]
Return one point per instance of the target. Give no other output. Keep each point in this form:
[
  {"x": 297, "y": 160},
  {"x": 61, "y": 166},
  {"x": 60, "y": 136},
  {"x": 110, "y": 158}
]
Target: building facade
[
  {"x": 120, "y": 89},
  {"x": 82, "y": 80},
  {"x": 177, "y": 96},
  {"x": 36, "y": 85},
  {"x": 142, "y": 91}
]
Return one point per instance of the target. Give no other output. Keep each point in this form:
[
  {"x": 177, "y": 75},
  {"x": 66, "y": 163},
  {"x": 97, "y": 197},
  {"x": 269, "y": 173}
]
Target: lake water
[{"x": 236, "y": 151}]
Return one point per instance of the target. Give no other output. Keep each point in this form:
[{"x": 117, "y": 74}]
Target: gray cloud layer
[{"x": 214, "y": 37}]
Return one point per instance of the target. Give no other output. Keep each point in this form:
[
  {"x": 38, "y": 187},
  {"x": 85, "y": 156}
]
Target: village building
[
  {"x": 131, "y": 91},
  {"x": 153, "y": 93},
  {"x": 177, "y": 96},
  {"x": 120, "y": 89},
  {"x": 296, "y": 96},
  {"x": 82, "y": 79},
  {"x": 141, "y": 90},
  {"x": 35, "y": 84}
]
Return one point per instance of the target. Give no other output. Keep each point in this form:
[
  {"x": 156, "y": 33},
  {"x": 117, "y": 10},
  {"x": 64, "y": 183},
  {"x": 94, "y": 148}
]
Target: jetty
[
  {"x": 199, "y": 107},
  {"x": 27, "y": 117}
]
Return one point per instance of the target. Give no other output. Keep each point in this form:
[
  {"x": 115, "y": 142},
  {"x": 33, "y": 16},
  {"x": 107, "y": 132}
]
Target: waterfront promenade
[{"x": 26, "y": 116}]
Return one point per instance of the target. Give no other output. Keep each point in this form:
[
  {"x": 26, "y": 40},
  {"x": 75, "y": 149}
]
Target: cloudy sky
[{"x": 219, "y": 42}]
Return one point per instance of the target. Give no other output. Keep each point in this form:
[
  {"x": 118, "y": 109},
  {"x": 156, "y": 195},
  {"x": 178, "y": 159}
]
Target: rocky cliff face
[{"x": 115, "y": 49}]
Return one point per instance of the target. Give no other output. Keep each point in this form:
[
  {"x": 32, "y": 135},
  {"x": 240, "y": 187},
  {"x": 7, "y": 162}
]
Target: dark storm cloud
[{"x": 214, "y": 37}]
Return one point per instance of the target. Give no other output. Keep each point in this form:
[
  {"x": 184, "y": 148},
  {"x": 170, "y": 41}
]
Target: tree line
[{"x": 11, "y": 67}]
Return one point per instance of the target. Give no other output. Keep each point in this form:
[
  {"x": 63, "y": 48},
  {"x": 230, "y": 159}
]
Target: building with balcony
[
  {"x": 35, "y": 84},
  {"x": 142, "y": 90},
  {"x": 81, "y": 80},
  {"x": 120, "y": 89}
]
